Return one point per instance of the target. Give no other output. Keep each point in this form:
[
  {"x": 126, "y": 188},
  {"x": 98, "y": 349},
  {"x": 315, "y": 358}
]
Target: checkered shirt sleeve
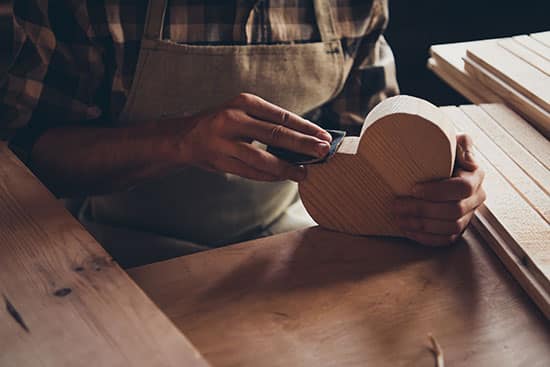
[{"x": 75, "y": 60}]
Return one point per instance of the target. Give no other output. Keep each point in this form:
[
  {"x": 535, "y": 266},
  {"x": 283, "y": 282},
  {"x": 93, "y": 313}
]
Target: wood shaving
[{"x": 437, "y": 351}]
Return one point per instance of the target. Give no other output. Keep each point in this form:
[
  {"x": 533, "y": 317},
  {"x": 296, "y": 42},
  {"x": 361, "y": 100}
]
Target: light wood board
[
  {"x": 64, "y": 301},
  {"x": 457, "y": 84},
  {"x": 474, "y": 79},
  {"x": 534, "y": 45},
  {"x": 521, "y": 76},
  {"x": 518, "y": 230},
  {"x": 539, "y": 117},
  {"x": 390, "y": 157},
  {"x": 542, "y": 37},
  {"x": 475, "y": 124},
  {"x": 321, "y": 298},
  {"x": 448, "y": 61},
  {"x": 530, "y": 57},
  {"x": 533, "y": 169},
  {"x": 521, "y": 131}
]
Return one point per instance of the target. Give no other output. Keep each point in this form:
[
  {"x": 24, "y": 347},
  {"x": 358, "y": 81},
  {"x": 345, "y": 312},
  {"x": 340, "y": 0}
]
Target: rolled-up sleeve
[{"x": 56, "y": 74}]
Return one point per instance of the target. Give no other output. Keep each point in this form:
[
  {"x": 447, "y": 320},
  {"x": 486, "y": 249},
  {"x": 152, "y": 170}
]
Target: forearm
[
  {"x": 84, "y": 161},
  {"x": 78, "y": 161}
]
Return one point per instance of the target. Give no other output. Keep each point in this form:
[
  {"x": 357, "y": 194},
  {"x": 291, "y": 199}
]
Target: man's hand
[
  {"x": 104, "y": 160},
  {"x": 438, "y": 212},
  {"x": 221, "y": 140}
]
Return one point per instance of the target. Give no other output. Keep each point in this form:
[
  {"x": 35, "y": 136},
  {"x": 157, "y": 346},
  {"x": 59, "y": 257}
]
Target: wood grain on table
[
  {"x": 321, "y": 298},
  {"x": 64, "y": 302}
]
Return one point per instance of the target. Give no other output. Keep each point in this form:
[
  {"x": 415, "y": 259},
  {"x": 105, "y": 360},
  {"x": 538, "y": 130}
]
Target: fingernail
[
  {"x": 322, "y": 149},
  {"x": 324, "y": 135},
  {"x": 469, "y": 156}
]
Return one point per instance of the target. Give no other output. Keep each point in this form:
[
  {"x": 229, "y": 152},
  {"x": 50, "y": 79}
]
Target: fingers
[
  {"x": 450, "y": 210},
  {"x": 433, "y": 226},
  {"x": 283, "y": 137},
  {"x": 465, "y": 157},
  {"x": 461, "y": 186},
  {"x": 433, "y": 223},
  {"x": 263, "y": 161},
  {"x": 263, "y": 110},
  {"x": 439, "y": 211},
  {"x": 432, "y": 239}
]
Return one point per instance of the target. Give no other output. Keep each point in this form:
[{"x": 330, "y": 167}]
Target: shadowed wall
[{"x": 417, "y": 24}]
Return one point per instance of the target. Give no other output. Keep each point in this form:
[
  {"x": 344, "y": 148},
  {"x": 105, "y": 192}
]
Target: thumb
[{"x": 465, "y": 152}]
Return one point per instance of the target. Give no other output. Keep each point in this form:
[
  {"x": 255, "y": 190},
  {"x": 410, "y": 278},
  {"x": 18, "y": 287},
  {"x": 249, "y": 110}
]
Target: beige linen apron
[{"x": 208, "y": 208}]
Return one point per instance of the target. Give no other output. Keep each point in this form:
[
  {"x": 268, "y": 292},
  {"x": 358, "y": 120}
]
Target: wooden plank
[
  {"x": 64, "y": 301},
  {"x": 525, "y": 232},
  {"x": 530, "y": 57},
  {"x": 478, "y": 85},
  {"x": 535, "y": 46},
  {"x": 322, "y": 298},
  {"x": 495, "y": 235},
  {"x": 515, "y": 152},
  {"x": 542, "y": 37},
  {"x": 521, "y": 131},
  {"x": 449, "y": 58},
  {"x": 520, "y": 103},
  {"x": 479, "y": 126},
  {"x": 459, "y": 85},
  {"x": 521, "y": 76}
]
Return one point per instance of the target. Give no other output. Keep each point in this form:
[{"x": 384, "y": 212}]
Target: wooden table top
[
  {"x": 64, "y": 302},
  {"x": 320, "y": 298}
]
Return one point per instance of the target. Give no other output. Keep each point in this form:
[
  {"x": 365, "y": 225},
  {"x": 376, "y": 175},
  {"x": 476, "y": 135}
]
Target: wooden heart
[{"x": 404, "y": 141}]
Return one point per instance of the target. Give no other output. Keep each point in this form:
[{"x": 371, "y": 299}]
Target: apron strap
[
  {"x": 154, "y": 21},
  {"x": 325, "y": 20}
]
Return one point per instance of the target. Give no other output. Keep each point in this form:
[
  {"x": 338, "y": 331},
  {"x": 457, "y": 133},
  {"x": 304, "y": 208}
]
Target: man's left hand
[{"x": 438, "y": 212}]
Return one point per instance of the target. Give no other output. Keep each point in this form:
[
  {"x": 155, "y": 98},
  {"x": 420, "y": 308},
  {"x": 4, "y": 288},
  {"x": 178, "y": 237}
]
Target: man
[{"x": 153, "y": 111}]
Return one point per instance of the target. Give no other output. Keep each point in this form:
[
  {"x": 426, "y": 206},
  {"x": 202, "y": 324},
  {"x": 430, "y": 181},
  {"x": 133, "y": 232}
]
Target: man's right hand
[
  {"x": 221, "y": 140},
  {"x": 86, "y": 160}
]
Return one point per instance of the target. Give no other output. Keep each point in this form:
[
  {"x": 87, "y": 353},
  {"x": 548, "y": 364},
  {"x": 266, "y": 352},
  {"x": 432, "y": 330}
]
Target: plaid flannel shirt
[{"x": 75, "y": 60}]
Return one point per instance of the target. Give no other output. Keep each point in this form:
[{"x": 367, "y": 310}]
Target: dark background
[
  {"x": 414, "y": 26},
  {"x": 6, "y": 34},
  {"x": 417, "y": 24}
]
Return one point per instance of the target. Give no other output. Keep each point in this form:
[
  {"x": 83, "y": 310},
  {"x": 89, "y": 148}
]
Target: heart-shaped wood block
[{"x": 404, "y": 141}]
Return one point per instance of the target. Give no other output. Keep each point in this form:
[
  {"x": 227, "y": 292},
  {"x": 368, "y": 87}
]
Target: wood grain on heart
[{"x": 405, "y": 140}]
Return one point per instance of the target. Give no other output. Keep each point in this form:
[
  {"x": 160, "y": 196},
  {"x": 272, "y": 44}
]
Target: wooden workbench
[
  {"x": 320, "y": 298},
  {"x": 306, "y": 298},
  {"x": 64, "y": 301}
]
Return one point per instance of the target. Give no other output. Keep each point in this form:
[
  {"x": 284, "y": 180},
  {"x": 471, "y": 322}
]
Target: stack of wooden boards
[
  {"x": 516, "y": 215},
  {"x": 514, "y": 71}
]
